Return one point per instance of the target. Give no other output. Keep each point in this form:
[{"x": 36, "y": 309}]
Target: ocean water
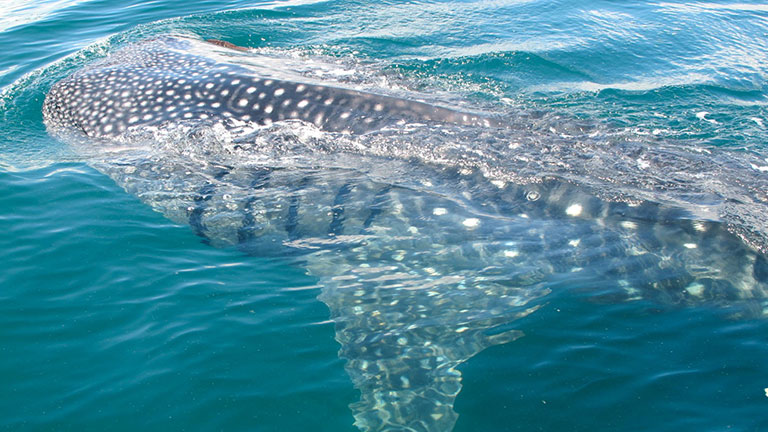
[{"x": 114, "y": 317}]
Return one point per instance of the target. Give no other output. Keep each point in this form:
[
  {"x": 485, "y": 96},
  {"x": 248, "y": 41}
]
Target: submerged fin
[{"x": 403, "y": 334}]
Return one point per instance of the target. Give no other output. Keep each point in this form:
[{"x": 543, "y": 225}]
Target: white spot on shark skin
[
  {"x": 405, "y": 381},
  {"x": 215, "y": 105},
  {"x": 279, "y": 92},
  {"x": 209, "y": 86},
  {"x": 471, "y": 223},
  {"x": 629, "y": 225},
  {"x": 147, "y": 117},
  {"x": 250, "y": 90},
  {"x": 695, "y": 289},
  {"x": 235, "y": 81},
  {"x": 242, "y": 102},
  {"x": 225, "y": 92},
  {"x": 302, "y": 103},
  {"x": 699, "y": 226},
  {"x": 345, "y": 115},
  {"x": 300, "y": 88},
  {"x": 268, "y": 109},
  {"x": 573, "y": 210}
]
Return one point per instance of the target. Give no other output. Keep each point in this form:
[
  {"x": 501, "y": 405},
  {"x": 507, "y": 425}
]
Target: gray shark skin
[
  {"x": 421, "y": 265},
  {"x": 157, "y": 81}
]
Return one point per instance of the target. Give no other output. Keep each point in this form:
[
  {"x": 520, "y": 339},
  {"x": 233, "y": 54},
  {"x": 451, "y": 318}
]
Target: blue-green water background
[{"x": 113, "y": 318}]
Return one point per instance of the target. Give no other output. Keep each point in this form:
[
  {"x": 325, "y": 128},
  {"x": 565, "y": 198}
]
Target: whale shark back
[{"x": 160, "y": 81}]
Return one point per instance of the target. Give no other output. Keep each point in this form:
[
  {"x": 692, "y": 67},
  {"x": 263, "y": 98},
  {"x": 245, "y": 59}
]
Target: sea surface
[{"x": 114, "y": 318}]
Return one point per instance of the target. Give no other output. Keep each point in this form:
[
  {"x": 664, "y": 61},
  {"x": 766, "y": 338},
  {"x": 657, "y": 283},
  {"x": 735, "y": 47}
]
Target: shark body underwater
[{"x": 422, "y": 265}]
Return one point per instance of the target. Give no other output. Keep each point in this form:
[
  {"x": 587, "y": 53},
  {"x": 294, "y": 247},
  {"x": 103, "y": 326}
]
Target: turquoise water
[{"x": 115, "y": 318}]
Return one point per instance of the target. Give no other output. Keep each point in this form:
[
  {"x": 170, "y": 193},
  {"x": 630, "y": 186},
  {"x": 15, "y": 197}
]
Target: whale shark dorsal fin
[{"x": 226, "y": 44}]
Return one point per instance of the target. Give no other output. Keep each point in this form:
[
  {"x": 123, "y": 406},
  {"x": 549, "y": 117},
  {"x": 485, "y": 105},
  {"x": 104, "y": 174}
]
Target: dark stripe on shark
[
  {"x": 156, "y": 82},
  {"x": 247, "y": 231},
  {"x": 201, "y": 200},
  {"x": 292, "y": 220},
  {"x": 337, "y": 211},
  {"x": 376, "y": 207}
]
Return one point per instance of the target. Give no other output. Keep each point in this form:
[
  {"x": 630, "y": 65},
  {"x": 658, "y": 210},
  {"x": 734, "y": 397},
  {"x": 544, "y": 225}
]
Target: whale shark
[{"x": 422, "y": 262}]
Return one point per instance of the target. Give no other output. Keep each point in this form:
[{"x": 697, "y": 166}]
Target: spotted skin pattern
[{"x": 155, "y": 82}]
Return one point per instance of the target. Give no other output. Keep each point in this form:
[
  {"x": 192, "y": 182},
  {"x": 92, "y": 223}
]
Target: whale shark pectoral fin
[
  {"x": 403, "y": 334},
  {"x": 414, "y": 386},
  {"x": 426, "y": 407}
]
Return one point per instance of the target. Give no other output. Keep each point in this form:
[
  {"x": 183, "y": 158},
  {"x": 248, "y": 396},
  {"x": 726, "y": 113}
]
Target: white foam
[{"x": 702, "y": 115}]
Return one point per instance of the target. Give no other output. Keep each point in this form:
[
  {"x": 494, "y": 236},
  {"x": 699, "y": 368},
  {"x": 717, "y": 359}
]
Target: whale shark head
[{"x": 428, "y": 243}]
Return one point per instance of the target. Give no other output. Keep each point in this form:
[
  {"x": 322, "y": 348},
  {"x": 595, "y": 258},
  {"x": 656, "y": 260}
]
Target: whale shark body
[{"x": 422, "y": 265}]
